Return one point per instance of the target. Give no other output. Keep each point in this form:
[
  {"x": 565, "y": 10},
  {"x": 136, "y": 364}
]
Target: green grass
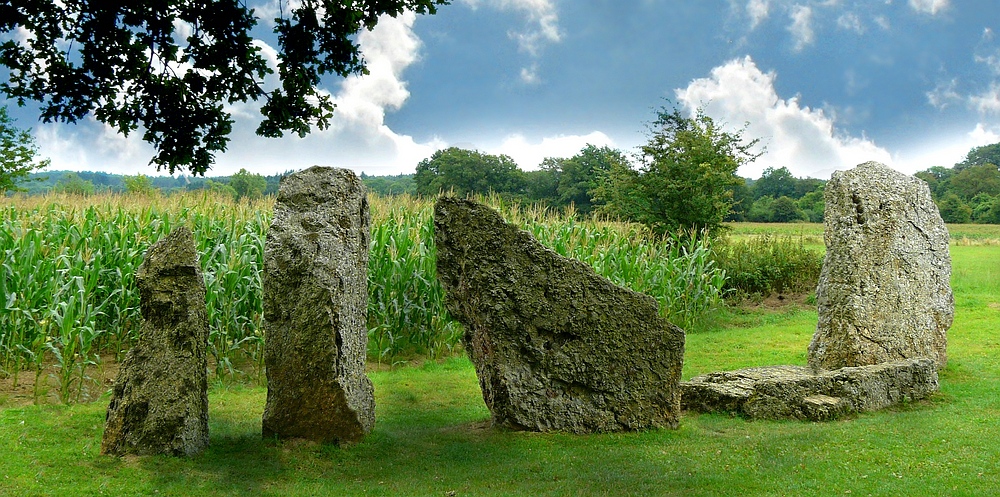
[{"x": 431, "y": 436}]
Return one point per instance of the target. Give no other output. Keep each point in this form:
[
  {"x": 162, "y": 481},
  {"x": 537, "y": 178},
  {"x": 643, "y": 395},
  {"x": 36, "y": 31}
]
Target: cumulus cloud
[
  {"x": 358, "y": 137},
  {"x": 801, "y": 27},
  {"x": 802, "y": 139},
  {"x": 528, "y": 154},
  {"x": 931, "y": 7}
]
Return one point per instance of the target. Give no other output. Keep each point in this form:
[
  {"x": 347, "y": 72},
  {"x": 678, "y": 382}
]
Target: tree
[
  {"x": 785, "y": 210},
  {"x": 987, "y": 154},
  {"x": 17, "y": 153},
  {"x": 775, "y": 183},
  {"x": 139, "y": 184},
  {"x": 73, "y": 184},
  {"x": 247, "y": 184},
  {"x": 687, "y": 170},
  {"x": 953, "y": 210},
  {"x": 467, "y": 172},
  {"x": 580, "y": 175},
  {"x": 977, "y": 179},
  {"x": 172, "y": 66}
]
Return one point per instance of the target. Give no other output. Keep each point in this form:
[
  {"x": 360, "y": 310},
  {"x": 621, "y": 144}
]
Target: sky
[{"x": 824, "y": 85}]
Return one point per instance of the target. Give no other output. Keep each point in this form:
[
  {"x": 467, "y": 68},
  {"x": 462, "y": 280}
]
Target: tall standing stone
[
  {"x": 884, "y": 292},
  {"x": 555, "y": 346},
  {"x": 315, "y": 307},
  {"x": 159, "y": 403}
]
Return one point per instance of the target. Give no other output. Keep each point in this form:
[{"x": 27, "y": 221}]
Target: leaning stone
[
  {"x": 884, "y": 292},
  {"x": 798, "y": 392},
  {"x": 555, "y": 346},
  {"x": 159, "y": 404},
  {"x": 315, "y": 306}
]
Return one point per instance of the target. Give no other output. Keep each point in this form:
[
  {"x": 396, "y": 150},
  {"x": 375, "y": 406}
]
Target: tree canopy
[
  {"x": 686, "y": 177},
  {"x": 17, "y": 153},
  {"x": 468, "y": 171},
  {"x": 171, "y": 66}
]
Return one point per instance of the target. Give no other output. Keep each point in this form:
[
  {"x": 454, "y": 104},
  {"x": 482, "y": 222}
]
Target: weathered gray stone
[
  {"x": 159, "y": 404},
  {"x": 315, "y": 306},
  {"x": 798, "y": 392},
  {"x": 555, "y": 346},
  {"x": 884, "y": 292}
]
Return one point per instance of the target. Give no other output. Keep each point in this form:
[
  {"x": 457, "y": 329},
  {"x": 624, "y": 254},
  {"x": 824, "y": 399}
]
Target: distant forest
[{"x": 969, "y": 192}]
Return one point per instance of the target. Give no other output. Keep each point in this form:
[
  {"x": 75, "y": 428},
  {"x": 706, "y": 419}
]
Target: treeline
[
  {"x": 239, "y": 185},
  {"x": 584, "y": 180},
  {"x": 970, "y": 191}
]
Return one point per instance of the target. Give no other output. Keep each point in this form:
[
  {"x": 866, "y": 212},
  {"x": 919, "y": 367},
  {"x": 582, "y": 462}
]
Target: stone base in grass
[{"x": 797, "y": 392}]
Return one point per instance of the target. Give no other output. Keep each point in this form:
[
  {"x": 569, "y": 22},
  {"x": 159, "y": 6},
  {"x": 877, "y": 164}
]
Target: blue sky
[{"x": 825, "y": 85}]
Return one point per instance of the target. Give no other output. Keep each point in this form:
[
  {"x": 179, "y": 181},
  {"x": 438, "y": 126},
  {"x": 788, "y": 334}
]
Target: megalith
[
  {"x": 555, "y": 346},
  {"x": 159, "y": 403},
  {"x": 884, "y": 291},
  {"x": 798, "y": 392},
  {"x": 315, "y": 287}
]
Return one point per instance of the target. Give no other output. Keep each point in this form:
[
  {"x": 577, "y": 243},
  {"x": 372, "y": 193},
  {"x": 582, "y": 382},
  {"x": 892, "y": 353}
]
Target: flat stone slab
[{"x": 798, "y": 392}]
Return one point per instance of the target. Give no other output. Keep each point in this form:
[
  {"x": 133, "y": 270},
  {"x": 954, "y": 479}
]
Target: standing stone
[
  {"x": 555, "y": 346},
  {"x": 315, "y": 307},
  {"x": 884, "y": 292},
  {"x": 159, "y": 404}
]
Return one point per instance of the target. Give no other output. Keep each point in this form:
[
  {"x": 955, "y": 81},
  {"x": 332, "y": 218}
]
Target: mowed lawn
[{"x": 432, "y": 435}]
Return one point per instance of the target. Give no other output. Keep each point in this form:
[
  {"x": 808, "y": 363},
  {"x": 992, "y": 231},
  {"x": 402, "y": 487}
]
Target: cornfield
[{"x": 68, "y": 298}]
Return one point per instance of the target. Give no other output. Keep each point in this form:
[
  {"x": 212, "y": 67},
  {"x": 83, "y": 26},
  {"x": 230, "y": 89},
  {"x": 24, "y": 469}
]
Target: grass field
[{"x": 431, "y": 435}]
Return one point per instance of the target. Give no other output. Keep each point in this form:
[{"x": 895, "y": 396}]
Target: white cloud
[
  {"x": 944, "y": 94},
  {"x": 987, "y": 102},
  {"x": 946, "y": 150},
  {"x": 358, "y": 137},
  {"x": 758, "y": 11},
  {"x": 931, "y": 7},
  {"x": 529, "y": 75},
  {"x": 801, "y": 27},
  {"x": 541, "y": 28},
  {"x": 802, "y": 139},
  {"x": 542, "y": 21},
  {"x": 850, "y": 21},
  {"x": 529, "y": 154}
]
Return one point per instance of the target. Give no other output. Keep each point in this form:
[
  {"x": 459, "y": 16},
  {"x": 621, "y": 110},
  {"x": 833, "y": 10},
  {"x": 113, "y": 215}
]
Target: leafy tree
[
  {"x": 742, "y": 200},
  {"x": 73, "y": 184},
  {"x": 813, "y": 204},
  {"x": 172, "y": 66},
  {"x": 17, "y": 153},
  {"x": 977, "y": 179},
  {"x": 987, "y": 154},
  {"x": 581, "y": 174},
  {"x": 467, "y": 172},
  {"x": 688, "y": 167},
  {"x": 247, "y": 184},
  {"x": 785, "y": 210},
  {"x": 954, "y": 210},
  {"x": 775, "y": 183},
  {"x": 220, "y": 188},
  {"x": 541, "y": 185},
  {"x": 139, "y": 184},
  {"x": 761, "y": 210},
  {"x": 938, "y": 180}
]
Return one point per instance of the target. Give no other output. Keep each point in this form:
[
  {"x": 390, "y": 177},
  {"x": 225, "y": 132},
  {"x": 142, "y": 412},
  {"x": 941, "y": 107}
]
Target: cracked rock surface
[
  {"x": 884, "y": 292},
  {"x": 556, "y": 347},
  {"x": 315, "y": 291},
  {"x": 797, "y": 392}
]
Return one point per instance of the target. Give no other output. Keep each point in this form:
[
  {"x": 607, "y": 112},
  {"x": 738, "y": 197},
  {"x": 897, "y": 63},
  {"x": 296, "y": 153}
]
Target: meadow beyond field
[{"x": 432, "y": 433}]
